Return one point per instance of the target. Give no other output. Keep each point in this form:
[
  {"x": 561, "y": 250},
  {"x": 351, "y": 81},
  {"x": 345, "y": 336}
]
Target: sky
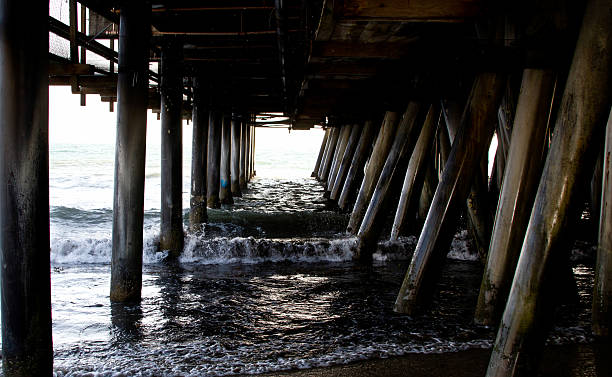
[{"x": 278, "y": 151}]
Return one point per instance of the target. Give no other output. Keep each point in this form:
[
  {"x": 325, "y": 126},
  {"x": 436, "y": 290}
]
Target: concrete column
[
  {"x": 373, "y": 169},
  {"x": 199, "y": 152},
  {"x": 415, "y": 174},
  {"x": 235, "y": 155},
  {"x": 321, "y": 151},
  {"x": 579, "y": 128},
  {"x": 359, "y": 159},
  {"x": 225, "y": 190},
  {"x": 403, "y": 144},
  {"x": 344, "y": 165},
  {"x": 133, "y": 98},
  {"x": 602, "y": 296},
  {"x": 471, "y": 142},
  {"x": 24, "y": 193},
  {"x": 243, "y": 138},
  {"x": 522, "y": 174},
  {"x": 171, "y": 234},
  {"x": 330, "y": 154},
  {"x": 214, "y": 159},
  {"x": 345, "y": 133}
]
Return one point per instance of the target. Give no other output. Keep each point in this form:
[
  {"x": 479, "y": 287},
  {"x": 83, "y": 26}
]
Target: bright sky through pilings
[{"x": 279, "y": 153}]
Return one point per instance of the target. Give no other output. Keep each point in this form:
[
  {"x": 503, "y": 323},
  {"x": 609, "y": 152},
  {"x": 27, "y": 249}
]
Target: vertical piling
[
  {"x": 330, "y": 154},
  {"x": 235, "y": 154},
  {"x": 243, "y": 137},
  {"x": 214, "y": 159},
  {"x": 347, "y": 157},
  {"x": 403, "y": 144},
  {"x": 247, "y": 156},
  {"x": 525, "y": 160},
  {"x": 602, "y": 295},
  {"x": 225, "y": 189},
  {"x": 343, "y": 139},
  {"x": 373, "y": 169},
  {"x": 24, "y": 193},
  {"x": 580, "y": 124},
  {"x": 330, "y": 132},
  {"x": 468, "y": 147},
  {"x": 415, "y": 174},
  {"x": 132, "y": 101},
  {"x": 199, "y": 151},
  {"x": 320, "y": 156},
  {"x": 358, "y": 161},
  {"x": 171, "y": 234},
  {"x": 253, "y": 172}
]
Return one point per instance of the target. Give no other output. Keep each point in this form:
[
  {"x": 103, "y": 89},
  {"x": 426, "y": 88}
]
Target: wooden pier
[{"x": 410, "y": 94}]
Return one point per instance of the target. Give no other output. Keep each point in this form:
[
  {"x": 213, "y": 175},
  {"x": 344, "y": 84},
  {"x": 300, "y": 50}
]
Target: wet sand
[{"x": 558, "y": 361}]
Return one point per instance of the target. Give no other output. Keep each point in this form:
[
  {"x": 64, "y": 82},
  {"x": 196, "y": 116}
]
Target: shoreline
[{"x": 573, "y": 360}]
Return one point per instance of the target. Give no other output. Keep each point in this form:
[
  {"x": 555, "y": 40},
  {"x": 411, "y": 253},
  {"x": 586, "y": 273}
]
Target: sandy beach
[{"x": 585, "y": 360}]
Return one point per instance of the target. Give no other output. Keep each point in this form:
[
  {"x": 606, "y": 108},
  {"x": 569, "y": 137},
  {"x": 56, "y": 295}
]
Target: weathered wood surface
[
  {"x": 471, "y": 142},
  {"x": 525, "y": 161},
  {"x": 578, "y": 131}
]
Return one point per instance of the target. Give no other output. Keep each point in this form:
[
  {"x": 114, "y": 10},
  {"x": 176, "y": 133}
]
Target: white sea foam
[{"x": 248, "y": 250}]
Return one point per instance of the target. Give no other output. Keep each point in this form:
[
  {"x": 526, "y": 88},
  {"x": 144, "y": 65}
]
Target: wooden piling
[
  {"x": 580, "y": 125},
  {"x": 471, "y": 142},
  {"x": 253, "y": 132},
  {"x": 347, "y": 157},
  {"x": 243, "y": 138},
  {"x": 526, "y": 157},
  {"x": 171, "y": 89},
  {"x": 24, "y": 193},
  {"x": 330, "y": 132},
  {"x": 403, "y": 144},
  {"x": 235, "y": 155},
  {"x": 214, "y": 159},
  {"x": 321, "y": 151},
  {"x": 132, "y": 101},
  {"x": 225, "y": 188},
  {"x": 602, "y": 295},
  {"x": 356, "y": 167},
  {"x": 345, "y": 134},
  {"x": 415, "y": 174},
  {"x": 373, "y": 169},
  {"x": 330, "y": 154},
  {"x": 199, "y": 152}
]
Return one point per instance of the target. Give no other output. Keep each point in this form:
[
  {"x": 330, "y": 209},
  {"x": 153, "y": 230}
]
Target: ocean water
[{"x": 267, "y": 285}]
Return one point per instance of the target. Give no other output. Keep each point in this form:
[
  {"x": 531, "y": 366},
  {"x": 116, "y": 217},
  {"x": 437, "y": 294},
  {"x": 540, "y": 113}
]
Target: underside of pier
[{"x": 410, "y": 94}]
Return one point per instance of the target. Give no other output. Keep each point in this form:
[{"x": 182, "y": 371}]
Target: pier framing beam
[
  {"x": 171, "y": 88},
  {"x": 24, "y": 193},
  {"x": 602, "y": 296},
  {"x": 359, "y": 159},
  {"x": 415, "y": 173},
  {"x": 579, "y": 128},
  {"x": 373, "y": 169},
  {"x": 470, "y": 143},
  {"x": 215, "y": 120},
  {"x": 199, "y": 157},
  {"x": 329, "y": 155},
  {"x": 403, "y": 144},
  {"x": 236, "y": 135},
  {"x": 321, "y": 151},
  {"x": 345, "y": 133},
  {"x": 347, "y": 157},
  {"x": 133, "y": 97},
  {"x": 525, "y": 160},
  {"x": 243, "y": 139},
  {"x": 225, "y": 189}
]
